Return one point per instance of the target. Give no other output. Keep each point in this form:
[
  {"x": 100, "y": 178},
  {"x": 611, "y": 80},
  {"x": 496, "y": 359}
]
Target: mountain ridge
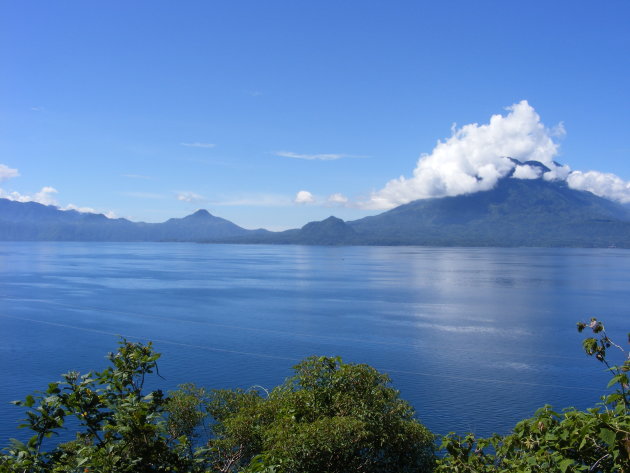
[{"x": 516, "y": 212}]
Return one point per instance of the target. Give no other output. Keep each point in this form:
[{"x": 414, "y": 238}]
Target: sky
[{"x": 276, "y": 113}]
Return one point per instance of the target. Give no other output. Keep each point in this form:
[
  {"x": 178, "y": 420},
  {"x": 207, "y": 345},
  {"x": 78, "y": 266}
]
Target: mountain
[
  {"x": 331, "y": 231},
  {"x": 201, "y": 225},
  {"x": 517, "y": 212},
  {"x": 33, "y": 221}
]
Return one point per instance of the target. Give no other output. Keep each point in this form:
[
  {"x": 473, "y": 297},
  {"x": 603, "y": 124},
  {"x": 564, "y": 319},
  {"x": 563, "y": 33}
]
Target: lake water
[{"x": 475, "y": 338}]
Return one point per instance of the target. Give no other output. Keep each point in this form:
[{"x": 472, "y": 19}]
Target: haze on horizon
[{"x": 274, "y": 114}]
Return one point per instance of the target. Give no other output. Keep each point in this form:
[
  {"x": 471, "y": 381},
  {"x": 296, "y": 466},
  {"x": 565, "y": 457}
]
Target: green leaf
[
  {"x": 620, "y": 378},
  {"x": 607, "y": 436},
  {"x": 565, "y": 464},
  {"x": 29, "y": 401},
  {"x": 590, "y": 345}
]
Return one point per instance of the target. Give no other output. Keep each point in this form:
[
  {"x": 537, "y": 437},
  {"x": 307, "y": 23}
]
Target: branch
[{"x": 592, "y": 468}]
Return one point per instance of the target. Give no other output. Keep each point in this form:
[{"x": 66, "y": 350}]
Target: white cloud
[
  {"x": 304, "y": 197},
  {"x": 321, "y": 157},
  {"x": 278, "y": 200},
  {"x": 7, "y": 173},
  {"x": 558, "y": 131},
  {"x": 560, "y": 172},
  {"x": 602, "y": 184},
  {"x": 475, "y": 157},
  {"x": 44, "y": 196},
  {"x": 89, "y": 210},
  {"x": 85, "y": 210},
  {"x": 190, "y": 197},
  {"x": 197, "y": 144},
  {"x": 527, "y": 172},
  {"x": 337, "y": 199}
]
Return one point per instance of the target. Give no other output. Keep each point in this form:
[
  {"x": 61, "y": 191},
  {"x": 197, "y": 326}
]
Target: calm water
[{"x": 475, "y": 339}]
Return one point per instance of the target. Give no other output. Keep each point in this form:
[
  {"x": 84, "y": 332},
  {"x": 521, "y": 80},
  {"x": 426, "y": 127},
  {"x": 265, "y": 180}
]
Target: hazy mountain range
[{"x": 517, "y": 212}]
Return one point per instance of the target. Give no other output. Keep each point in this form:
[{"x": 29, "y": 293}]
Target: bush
[
  {"x": 595, "y": 440},
  {"x": 330, "y": 416},
  {"x": 119, "y": 428}
]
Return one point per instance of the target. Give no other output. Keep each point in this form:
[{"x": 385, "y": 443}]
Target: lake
[{"x": 475, "y": 338}]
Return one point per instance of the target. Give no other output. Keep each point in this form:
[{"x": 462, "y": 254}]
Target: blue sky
[{"x": 152, "y": 109}]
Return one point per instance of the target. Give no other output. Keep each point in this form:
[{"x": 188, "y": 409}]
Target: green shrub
[
  {"x": 595, "y": 440},
  {"x": 329, "y": 417}
]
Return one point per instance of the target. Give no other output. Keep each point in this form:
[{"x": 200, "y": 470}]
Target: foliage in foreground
[
  {"x": 119, "y": 428},
  {"x": 329, "y": 417},
  {"x": 595, "y": 440}
]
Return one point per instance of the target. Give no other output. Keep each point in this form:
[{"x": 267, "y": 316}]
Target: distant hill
[
  {"x": 517, "y": 212},
  {"x": 33, "y": 221},
  {"x": 195, "y": 227},
  {"x": 331, "y": 231}
]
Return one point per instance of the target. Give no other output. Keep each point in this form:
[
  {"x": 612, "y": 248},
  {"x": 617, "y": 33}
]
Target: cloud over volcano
[{"x": 476, "y": 156}]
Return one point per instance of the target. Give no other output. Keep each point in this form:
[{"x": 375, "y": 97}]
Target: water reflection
[{"x": 463, "y": 332}]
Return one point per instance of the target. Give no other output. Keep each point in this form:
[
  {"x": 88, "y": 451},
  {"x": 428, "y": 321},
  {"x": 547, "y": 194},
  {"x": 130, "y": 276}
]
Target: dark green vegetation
[
  {"x": 595, "y": 440},
  {"x": 516, "y": 212},
  {"x": 328, "y": 417}
]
